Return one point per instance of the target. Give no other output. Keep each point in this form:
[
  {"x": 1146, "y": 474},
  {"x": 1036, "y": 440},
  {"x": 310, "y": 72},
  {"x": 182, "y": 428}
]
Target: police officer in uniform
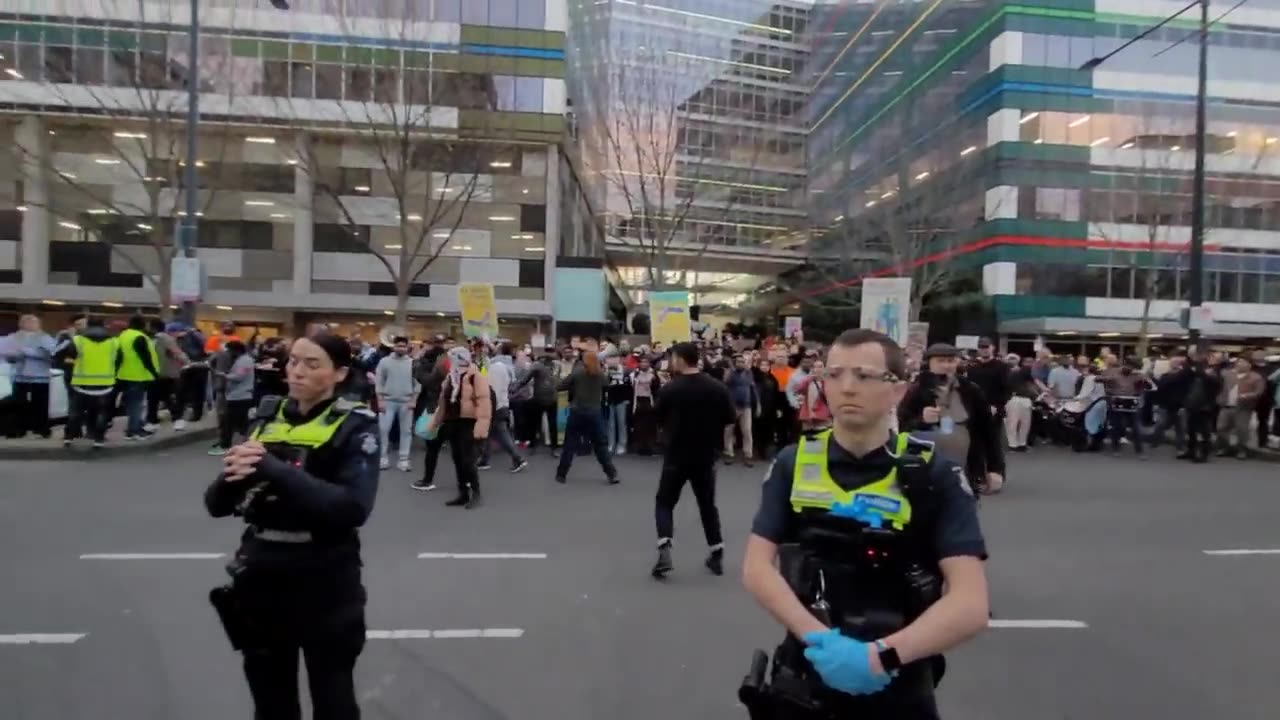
[
  {"x": 304, "y": 482},
  {"x": 872, "y": 528}
]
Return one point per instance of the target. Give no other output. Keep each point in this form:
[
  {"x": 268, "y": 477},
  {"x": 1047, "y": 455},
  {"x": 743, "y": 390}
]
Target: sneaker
[
  {"x": 663, "y": 566},
  {"x": 519, "y": 466},
  {"x": 403, "y": 466},
  {"x": 98, "y": 444},
  {"x": 622, "y": 451},
  {"x": 562, "y": 479},
  {"x": 179, "y": 425},
  {"x": 384, "y": 464},
  {"x": 475, "y": 501},
  {"x": 749, "y": 462},
  {"x": 213, "y": 452},
  {"x": 66, "y": 442},
  {"x": 458, "y": 501},
  {"x": 613, "y": 480},
  {"x": 728, "y": 459},
  {"x": 132, "y": 438},
  {"x": 150, "y": 427},
  {"x": 424, "y": 487},
  {"x": 715, "y": 562},
  {"x": 484, "y": 465}
]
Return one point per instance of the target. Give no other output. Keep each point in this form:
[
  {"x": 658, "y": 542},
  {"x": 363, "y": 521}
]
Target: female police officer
[{"x": 304, "y": 482}]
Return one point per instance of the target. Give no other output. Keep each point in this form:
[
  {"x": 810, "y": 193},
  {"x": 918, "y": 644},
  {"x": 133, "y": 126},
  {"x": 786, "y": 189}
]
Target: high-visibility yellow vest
[
  {"x": 95, "y": 362},
  {"x": 812, "y": 486},
  {"x": 131, "y": 367},
  {"x": 311, "y": 434}
]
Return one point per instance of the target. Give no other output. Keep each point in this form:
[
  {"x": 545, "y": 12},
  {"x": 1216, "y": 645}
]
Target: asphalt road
[{"x": 1113, "y": 544}]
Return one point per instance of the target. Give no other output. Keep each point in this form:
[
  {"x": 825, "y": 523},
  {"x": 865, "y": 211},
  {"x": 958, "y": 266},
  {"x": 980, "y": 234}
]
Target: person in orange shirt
[{"x": 215, "y": 342}]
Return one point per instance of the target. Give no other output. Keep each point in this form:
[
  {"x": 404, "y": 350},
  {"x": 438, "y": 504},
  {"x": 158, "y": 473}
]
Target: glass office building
[
  {"x": 1062, "y": 193},
  {"x": 286, "y": 235},
  {"x": 711, "y": 94}
]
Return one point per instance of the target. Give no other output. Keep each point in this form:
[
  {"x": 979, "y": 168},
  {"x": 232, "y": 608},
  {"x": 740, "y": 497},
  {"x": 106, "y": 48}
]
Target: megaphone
[{"x": 389, "y": 333}]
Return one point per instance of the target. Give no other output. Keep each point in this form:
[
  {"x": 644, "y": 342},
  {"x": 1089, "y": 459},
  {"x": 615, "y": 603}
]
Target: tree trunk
[
  {"x": 164, "y": 288},
  {"x": 402, "y": 305},
  {"x": 1148, "y": 291}
]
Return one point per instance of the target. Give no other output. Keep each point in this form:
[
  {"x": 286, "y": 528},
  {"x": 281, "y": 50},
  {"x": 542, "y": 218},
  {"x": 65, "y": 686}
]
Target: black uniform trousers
[
  {"x": 701, "y": 474},
  {"x": 325, "y": 628}
]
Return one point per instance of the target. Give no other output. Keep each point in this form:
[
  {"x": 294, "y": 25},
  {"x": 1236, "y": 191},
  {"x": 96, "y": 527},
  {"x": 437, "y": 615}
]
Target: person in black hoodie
[
  {"x": 768, "y": 392},
  {"x": 1170, "y": 393},
  {"x": 991, "y": 375},
  {"x": 1201, "y": 406},
  {"x": 954, "y": 409}
]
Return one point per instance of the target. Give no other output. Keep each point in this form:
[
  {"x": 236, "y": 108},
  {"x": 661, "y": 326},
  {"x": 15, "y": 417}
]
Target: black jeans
[
  {"x": 701, "y": 474},
  {"x": 462, "y": 447},
  {"x": 234, "y": 420},
  {"x": 33, "y": 407},
  {"x": 87, "y": 415},
  {"x": 1200, "y": 426},
  {"x": 553, "y": 429},
  {"x": 192, "y": 388},
  {"x": 163, "y": 392},
  {"x": 585, "y": 426},
  {"x": 434, "y": 445}
]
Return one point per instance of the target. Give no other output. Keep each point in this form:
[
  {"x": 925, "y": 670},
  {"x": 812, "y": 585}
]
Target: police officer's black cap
[
  {"x": 984, "y": 342},
  {"x": 941, "y": 350}
]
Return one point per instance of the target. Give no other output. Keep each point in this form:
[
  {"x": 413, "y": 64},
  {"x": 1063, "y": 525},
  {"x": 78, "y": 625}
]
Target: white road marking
[
  {"x": 41, "y": 638},
  {"x": 481, "y": 556},
  {"x": 1038, "y": 624},
  {"x": 455, "y": 634},
  {"x": 1244, "y": 551},
  {"x": 151, "y": 556}
]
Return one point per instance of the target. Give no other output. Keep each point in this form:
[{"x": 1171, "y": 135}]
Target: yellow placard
[
  {"x": 479, "y": 311},
  {"x": 669, "y": 317}
]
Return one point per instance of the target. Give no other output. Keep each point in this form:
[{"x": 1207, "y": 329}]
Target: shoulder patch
[
  {"x": 922, "y": 441},
  {"x": 962, "y": 479},
  {"x": 364, "y": 412},
  {"x": 369, "y": 444},
  {"x": 768, "y": 472}
]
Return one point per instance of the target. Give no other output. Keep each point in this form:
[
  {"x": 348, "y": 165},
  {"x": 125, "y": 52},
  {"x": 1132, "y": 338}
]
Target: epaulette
[{"x": 354, "y": 407}]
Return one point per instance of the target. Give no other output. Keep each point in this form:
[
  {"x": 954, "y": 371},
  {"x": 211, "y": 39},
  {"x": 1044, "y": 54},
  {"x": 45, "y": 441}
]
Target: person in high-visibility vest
[
  {"x": 136, "y": 371},
  {"x": 96, "y": 355}
]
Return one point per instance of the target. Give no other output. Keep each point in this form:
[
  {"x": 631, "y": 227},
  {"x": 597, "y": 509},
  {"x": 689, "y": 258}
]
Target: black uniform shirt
[{"x": 957, "y": 532}]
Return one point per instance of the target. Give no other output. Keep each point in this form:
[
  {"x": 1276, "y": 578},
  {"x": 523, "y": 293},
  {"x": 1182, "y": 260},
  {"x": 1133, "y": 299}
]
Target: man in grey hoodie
[{"x": 397, "y": 393}]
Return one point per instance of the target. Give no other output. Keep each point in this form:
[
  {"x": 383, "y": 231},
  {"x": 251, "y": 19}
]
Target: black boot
[
  {"x": 475, "y": 500},
  {"x": 715, "y": 562},
  {"x": 460, "y": 500},
  {"x": 663, "y": 566}
]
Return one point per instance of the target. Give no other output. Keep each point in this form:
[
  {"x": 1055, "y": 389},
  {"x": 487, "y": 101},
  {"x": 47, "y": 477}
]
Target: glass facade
[
  {"x": 722, "y": 167},
  {"x": 972, "y": 125}
]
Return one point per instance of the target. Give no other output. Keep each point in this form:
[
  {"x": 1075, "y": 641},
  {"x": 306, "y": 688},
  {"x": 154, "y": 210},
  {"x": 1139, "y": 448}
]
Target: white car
[{"x": 57, "y": 390}]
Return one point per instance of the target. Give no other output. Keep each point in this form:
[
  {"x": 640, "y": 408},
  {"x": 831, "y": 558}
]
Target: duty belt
[{"x": 282, "y": 536}]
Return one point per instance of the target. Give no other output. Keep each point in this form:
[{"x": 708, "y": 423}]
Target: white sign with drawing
[{"x": 886, "y": 306}]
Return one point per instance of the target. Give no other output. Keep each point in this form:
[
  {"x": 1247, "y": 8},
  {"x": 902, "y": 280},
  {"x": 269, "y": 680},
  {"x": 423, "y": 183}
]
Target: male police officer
[{"x": 858, "y": 466}]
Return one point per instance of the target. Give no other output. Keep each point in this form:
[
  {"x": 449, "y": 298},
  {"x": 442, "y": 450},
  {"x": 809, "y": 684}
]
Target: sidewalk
[{"x": 37, "y": 448}]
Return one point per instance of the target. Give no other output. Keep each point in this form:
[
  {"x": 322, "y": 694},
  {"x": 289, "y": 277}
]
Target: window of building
[
  {"x": 529, "y": 94},
  {"x": 448, "y": 11},
  {"x": 1121, "y": 283},
  {"x": 531, "y": 14},
  {"x": 533, "y": 218},
  {"x": 328, "y": 81},
  {"x": 58, "y": 64},
  {"x": 1250, "y": 288},
  {"x": 301, "y": 80},
  {"x": 90, "y": 66}
]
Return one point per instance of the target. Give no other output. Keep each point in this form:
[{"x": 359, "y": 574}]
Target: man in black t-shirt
[{"x": 694, "y": 410}]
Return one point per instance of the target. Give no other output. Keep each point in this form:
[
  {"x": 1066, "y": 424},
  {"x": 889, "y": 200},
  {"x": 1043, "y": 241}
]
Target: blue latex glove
[{"x": 844, "y": 663}]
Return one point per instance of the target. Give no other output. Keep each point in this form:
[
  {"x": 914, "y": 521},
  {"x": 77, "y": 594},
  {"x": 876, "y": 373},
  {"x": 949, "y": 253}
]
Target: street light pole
[
  {"x": 188, "y": 228},
  {"x": 1196, "y": 291},
  {"x": 1197, "y": 181}
]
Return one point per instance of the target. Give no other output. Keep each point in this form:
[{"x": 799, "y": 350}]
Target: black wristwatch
[{"x": 889, "y": 659}]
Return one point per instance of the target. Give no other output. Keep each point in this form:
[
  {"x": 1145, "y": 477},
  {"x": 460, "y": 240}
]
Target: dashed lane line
[
  {"x": 152, "y": 556},
  {"x": 454, "y": 634},
  {"x": 482, "y": 556},
  {"x": 41, "y": 638}
]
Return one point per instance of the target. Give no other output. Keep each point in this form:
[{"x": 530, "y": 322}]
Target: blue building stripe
[{"x": 514, "y": 51}]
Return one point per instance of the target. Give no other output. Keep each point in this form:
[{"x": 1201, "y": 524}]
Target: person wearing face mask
[
  {"x": 956, "y": 410},
  {"x": 462, "y": 418},
  {"x": 304, "y": 483}
]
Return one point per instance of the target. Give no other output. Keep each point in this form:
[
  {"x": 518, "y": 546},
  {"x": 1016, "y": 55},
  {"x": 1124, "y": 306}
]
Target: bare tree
[
  {"x": 424, "y": 176},
  {"x": 132, "y": 99},
  {"x": 674, "y": 178}
]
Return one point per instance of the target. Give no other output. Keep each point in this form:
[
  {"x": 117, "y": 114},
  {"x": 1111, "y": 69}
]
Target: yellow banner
[
  {"x": 479, "y": 311},
  {"x": 669, "y": 317}
]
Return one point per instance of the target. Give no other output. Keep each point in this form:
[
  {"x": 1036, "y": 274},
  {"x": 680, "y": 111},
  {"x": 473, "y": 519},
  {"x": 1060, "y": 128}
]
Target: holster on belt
[{"x": 232, "y": 615}]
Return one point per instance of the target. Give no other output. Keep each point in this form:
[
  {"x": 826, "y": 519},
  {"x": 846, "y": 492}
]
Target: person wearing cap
[
  {"x": 956, "y": 411},
  {"x": 991, "y": 375},
  {"x": 304, "y": 482}
]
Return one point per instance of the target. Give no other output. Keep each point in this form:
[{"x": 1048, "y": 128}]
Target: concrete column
[
  {"x": 33, "y": 140},
  {"x": 1003, "y": 126},
  {"x": 553, "y": 233},
  {"x": 303, "y": 229}
]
